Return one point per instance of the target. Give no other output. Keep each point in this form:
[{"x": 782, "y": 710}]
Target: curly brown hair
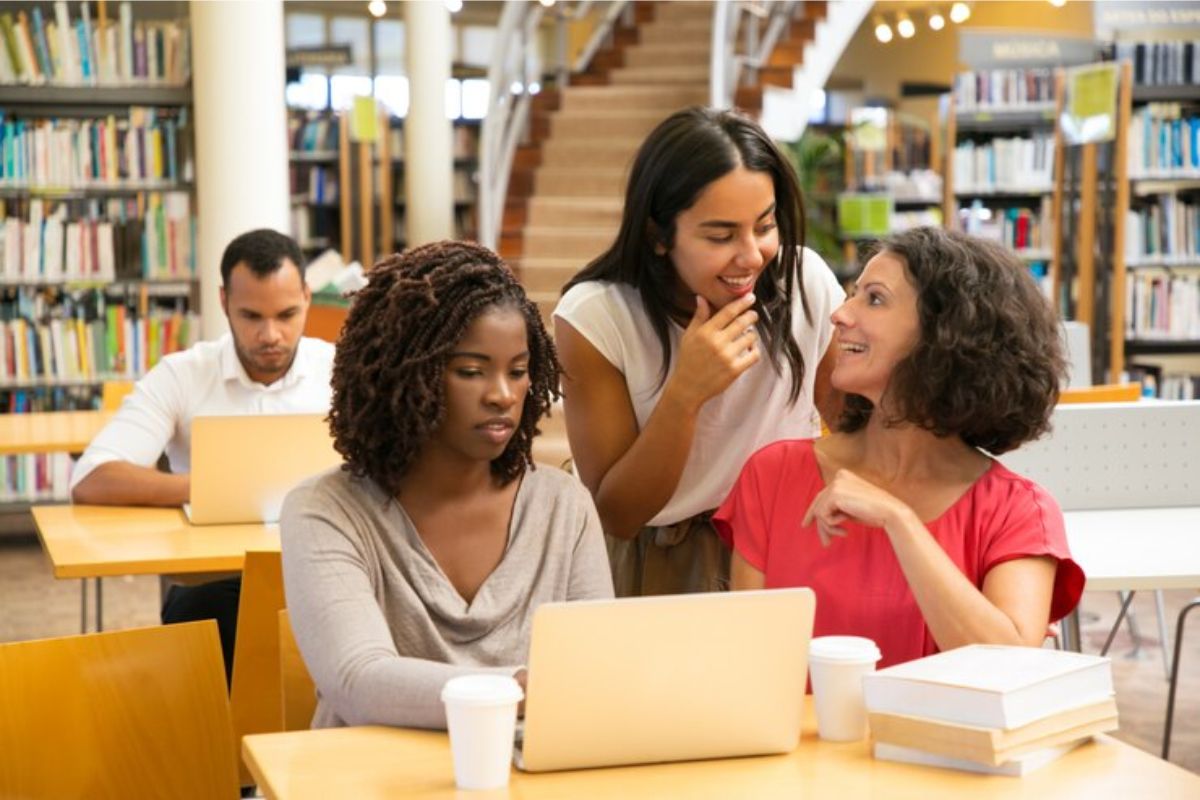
[
  {"x": 388, "y": 372},
  {"x": 988, "y": 362}
]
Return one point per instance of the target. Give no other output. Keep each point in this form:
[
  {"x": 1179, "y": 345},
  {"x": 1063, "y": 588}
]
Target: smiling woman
[
  {"x": 908, "y": 530},
  {"x": 425, "y": 556}
]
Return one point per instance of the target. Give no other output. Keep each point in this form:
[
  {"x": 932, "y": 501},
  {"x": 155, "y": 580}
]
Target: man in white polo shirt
[{"x": 263, "y": 366}]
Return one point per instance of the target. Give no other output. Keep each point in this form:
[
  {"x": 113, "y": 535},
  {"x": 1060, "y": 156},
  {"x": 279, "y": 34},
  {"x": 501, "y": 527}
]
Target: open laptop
[
  {"x": 243, "y": 466},
  {"x": 671, "y": 678}
]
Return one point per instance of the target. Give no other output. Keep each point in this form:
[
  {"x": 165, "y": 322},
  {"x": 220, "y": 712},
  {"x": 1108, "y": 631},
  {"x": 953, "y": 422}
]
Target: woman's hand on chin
[{"x": 847, "y": 496}]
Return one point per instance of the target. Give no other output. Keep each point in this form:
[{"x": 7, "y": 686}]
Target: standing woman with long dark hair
[{"x": 697, "y": 338}]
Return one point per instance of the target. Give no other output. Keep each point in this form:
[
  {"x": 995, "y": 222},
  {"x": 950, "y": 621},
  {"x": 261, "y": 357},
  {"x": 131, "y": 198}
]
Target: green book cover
[
  {"x": 10, "y": 44},
  {"x": 110, "y": 339}
]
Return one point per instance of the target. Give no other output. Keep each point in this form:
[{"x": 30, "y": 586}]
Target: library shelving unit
[
  {"x": 97, "y": 255},
  {"x": 1003, "y": 152},
  {"x": 323, "y": 213},
  {"x": 900, "y": 168},
  {"x": 1156, "y": 309}
]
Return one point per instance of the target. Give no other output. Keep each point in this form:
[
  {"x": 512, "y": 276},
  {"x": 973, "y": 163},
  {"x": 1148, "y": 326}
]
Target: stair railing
[
  {"x": 745, "y": 33},
  {"x": 515, "y": 68}
]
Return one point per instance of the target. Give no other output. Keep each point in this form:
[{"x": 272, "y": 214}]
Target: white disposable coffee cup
[
  {"x": 481, "y": 715},
  {"x": 837, "y": 665}
]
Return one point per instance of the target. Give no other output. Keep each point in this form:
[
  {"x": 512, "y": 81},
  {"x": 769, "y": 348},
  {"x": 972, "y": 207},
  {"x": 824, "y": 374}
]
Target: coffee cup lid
[
  {"x": 843, "y": 649},
  {"x": 482, "y": 690}
]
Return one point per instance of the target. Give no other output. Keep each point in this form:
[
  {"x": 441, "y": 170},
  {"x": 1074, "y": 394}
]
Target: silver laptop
[
  {"x": 672, "y": 678},
  {"x": 243, "y": 466}
]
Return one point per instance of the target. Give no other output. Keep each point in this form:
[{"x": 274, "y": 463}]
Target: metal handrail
[
  {"x": 515, "y": 66},
  {"x": 737, "y": 21}
]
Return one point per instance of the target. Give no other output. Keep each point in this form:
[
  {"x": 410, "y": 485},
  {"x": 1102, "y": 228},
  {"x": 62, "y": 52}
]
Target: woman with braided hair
[{"x": 426, "y": 553}]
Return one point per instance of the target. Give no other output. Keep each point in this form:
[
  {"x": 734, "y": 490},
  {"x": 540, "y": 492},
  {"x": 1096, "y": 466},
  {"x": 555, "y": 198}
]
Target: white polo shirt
[{"x": 207, "y": 379}]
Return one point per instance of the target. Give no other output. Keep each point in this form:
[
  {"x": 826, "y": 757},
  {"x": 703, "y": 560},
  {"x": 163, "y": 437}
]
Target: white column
[
  {"x": 428, "y": 134},
  {"x": 241, "y": 134}
]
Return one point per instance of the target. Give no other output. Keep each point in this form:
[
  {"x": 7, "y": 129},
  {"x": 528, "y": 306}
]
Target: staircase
[{"x": 566, "y": 207}]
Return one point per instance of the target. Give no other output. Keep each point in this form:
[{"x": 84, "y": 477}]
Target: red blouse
[{"x": 860, "y": 588}]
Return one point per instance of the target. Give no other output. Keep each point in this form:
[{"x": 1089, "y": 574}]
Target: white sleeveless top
[{"x": 752, "y": 413}]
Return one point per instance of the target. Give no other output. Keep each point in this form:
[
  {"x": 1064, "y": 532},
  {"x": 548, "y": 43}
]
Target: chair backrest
[
  {"x": 299, "y": 697},
  {"x": 112, "y": 393},
  {"x": 255, "y": 693},
  {"x": 139, "y": 712},
  {"x": 1117, "y": 455},
  {"x": 1105, "y": 393}
]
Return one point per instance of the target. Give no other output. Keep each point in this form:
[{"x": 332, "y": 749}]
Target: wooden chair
[
  {"x": 299, "y": 693},
  {"x": 132, "y": 713},
  {"x": 255, "y": 692},
  {"x": 112, "y": 393}
]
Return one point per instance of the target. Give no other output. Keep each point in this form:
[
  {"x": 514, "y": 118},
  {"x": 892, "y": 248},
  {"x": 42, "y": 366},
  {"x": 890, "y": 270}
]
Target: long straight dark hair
[{"x": 679, "y": 159}]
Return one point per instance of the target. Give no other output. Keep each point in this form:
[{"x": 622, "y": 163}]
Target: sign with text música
[{"x": 992, "y": 49}]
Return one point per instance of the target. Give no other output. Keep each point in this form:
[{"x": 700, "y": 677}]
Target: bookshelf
[
  {"x": 97, "y": 230},
  {"x": 1003, "y": 151},
  {"x": 1155, "y": 334},
  {"x": 890, "y": 156},
  {"x": 318, "y": 205}
]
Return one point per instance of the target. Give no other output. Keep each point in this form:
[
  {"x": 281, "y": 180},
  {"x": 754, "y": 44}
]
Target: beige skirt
[{"x": 670, "y": 559}]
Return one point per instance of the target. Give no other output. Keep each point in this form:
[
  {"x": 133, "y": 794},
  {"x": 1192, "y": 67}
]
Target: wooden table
[
  {"x": 98, "y": 541},
  {"x": 370, "y": 762},
  {"x": 50, "y": 431}
]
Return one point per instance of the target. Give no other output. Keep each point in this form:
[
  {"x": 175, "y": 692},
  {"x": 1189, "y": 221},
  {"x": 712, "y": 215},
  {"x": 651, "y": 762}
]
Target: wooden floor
[{"x": 34, "y": 605}]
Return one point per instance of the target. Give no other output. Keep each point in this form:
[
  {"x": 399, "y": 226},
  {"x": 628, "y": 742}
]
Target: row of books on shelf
[
  {"x": 1021, "y": 228},
  {"x": 49, "y": 47},
  {"x": 1164, "y": 231},
  {"x": 313, "y": 184},
  {"x": 1163, "y": 138},
  {"x": 1162, "y": 63},
  {"x": 317, "y": 133},
  {"x": 152, "y": 237},
  {"x": 1003, "y": 88},
  {"x": 1162, "y": 383},
  {"x": 1162, "y": 306},
  {"x": 116, "y": 345},
  {"x": 907, "y": 220},
  {"x": 35, "y": 477},
  {"x": 145, "y": 147},
  {"x": 989, "y": 708},
  {"x": 1004, "y": 163}
]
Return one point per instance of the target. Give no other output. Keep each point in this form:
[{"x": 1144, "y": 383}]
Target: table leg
[
  {"x": 83, "y": 614},
  {"x": 1070, "y": 632},
  {"x": 1117, "y": 625},
  {"x": 99, "y": 604},
  {"x": 1166, "y": 750}
]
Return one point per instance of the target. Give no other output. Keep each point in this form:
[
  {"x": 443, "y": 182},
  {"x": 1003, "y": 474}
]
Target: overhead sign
[
  {"x": 334, "y": 56},
  {"x": 1122, "y": 19},
  {"x": 980, "y": 48}
]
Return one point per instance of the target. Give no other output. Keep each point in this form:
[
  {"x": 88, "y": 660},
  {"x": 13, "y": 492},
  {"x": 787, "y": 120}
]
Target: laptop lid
[
  {"x": 243, "y": 466},
  {"x": 669, "y": 678}
]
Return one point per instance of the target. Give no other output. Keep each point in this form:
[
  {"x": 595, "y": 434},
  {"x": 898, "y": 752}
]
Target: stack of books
[{"x": 989, "y": 708}]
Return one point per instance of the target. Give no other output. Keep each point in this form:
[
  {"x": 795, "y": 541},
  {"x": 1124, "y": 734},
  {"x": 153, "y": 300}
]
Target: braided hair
[{"x": 389, "y": 370}]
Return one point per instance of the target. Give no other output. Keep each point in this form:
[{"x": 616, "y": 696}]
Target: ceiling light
[
  {"x": 546, "y": 3},
  {"x": 377, "y": 8},
  {"x": 882, "y": 31},
  {"x": 905, "y": 26},
  {"x": 1058, "y": 3},
  {"x": 936, "y": 20},
  {"x": 960, "y": 12},
  {"x": 454, "y": 6}
]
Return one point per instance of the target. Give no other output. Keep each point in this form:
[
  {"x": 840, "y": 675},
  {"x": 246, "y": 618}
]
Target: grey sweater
[{"x": 380, "y": 626}]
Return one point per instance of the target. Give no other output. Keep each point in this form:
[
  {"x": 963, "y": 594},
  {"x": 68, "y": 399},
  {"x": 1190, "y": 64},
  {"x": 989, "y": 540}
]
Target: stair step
[
  {"x": 666, "y": 55},
  {"x": 611, "y": 123},
  {"x": 583, "y": 244},
  {"x": 676, "y": 10},
  {"x": 698, "y": 36},
  {"x": 571, "y": 151},
  {"x": 544, "y": 275},
  {"x": 570, "y": 212},
  {"x": 580, "y": 182},
  {"x": 545, "y": 302},
  {"x": 631, "y": 98},
  {"x": 658, "y": 76}
]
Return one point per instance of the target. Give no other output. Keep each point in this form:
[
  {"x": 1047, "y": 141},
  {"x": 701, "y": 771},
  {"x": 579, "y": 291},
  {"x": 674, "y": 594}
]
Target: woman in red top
[{"x": 910, "y": 533}]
